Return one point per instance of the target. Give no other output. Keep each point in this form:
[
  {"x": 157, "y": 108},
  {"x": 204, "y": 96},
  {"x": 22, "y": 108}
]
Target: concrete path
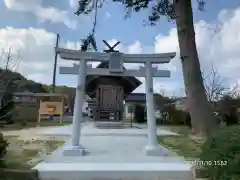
[
  {"x": 88, "y": 129},
  {"x": 119, "y": 151},
  {"x": 107, "y": 145}
]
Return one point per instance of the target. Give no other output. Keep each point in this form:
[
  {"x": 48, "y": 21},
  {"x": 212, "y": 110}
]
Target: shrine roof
[
  {"x": 136, "y": 97},
  {"x": 129, "y": 83}
]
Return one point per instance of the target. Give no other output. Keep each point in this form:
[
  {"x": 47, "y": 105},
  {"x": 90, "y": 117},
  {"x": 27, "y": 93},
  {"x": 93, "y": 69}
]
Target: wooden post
[
  {"x": 55, "y": 66},
  {"x": 61, "y": 110},
  {"x": 131, "y": 118},
  {"x": 38, "y": 117},
  {"x": 39, "y": 112}
]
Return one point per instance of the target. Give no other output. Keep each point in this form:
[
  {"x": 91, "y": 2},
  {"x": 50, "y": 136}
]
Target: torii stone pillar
[
  {"x": 152, "y": 148},
  {"x": 75, "y": 149}
]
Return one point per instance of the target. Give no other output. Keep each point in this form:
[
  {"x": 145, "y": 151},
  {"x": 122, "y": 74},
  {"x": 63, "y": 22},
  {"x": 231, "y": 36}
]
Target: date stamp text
[{"x": 200, "y": 163}]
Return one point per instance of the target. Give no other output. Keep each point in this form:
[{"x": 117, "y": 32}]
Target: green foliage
[
  {"x": 139, "y": 114},
  {"x": 70, "y": 91},
  {"x": 14, "y": 82},
  {"x": 160, "y": 121},
  {"x": 3, "y": 149},
  {"x": 222, "y": 150},
  {"x": 89, "y": 42},
  {"x": 18, "y": 83},
  {"x": 228, "y": 109},
  {"x": 9, "y": 112},
  {"x": 83, "y": 7},
  {"x": 158, "y": 8},
  {"x": 6, "y": 110},
  {"x": 23, "y": 122},
  {"x": 161, "y": 100},
  {"x": 230, "y": 118},
  {"x": 173, "y": 116}
]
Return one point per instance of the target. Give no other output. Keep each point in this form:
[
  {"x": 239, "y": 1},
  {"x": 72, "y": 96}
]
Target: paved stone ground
[
  {"x": 108, "y": 145},
  {"x": 113, "y": 153},
  {"x": 88, "y": 129}
]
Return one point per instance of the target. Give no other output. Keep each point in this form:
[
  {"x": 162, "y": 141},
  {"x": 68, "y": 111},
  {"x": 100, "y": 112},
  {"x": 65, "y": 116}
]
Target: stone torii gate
[{"x": 116, "y": 61}]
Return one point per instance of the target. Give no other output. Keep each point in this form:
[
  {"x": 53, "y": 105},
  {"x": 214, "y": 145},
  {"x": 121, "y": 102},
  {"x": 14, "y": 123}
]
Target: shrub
[
  {"x": 3, "y": 149},
  {"x": 222, "y": 150},
  {"x": 6, "y": 113},
  {"x": 160, "y": 121},
  {"x": 230, "y": 117},
  {"x": 139, "y": 114},
  {"x": 23, "y": 122},
  {"x": 173, "y": 116},
  {"x": 228, "y": 110}
]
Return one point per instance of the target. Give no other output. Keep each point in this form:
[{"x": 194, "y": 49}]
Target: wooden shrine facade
[{"x": 109, "y": 93}]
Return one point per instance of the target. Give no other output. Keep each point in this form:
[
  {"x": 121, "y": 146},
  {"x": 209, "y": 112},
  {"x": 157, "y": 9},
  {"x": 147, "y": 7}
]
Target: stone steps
[
  {"x": 109, "y": 125},
  {"x": 114, "y": 171}
]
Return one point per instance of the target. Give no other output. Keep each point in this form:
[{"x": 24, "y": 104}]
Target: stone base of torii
[{"x": 152, "y": 147}]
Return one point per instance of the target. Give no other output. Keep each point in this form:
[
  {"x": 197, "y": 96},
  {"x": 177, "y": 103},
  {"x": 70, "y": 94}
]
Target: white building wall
[
  {"x": 85, "y": 104},
  {"x": 129, "y": 115},
  {"x": 84, "y": 108}
]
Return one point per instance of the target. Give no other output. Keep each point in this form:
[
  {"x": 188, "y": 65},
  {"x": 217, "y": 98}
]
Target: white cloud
[
  {"x": 134, "y": 48},
  {"x": 108, "y": 15},
  {"x": 73, "y": 3},
  {"x": 44, "y": 14},
  {"x": 36, "y": 47},
  {"x": 217, "y": 43}
]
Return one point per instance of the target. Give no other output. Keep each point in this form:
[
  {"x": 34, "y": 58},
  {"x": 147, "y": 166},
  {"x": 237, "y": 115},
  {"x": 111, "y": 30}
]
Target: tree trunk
[{"x": 199, "y": 107}]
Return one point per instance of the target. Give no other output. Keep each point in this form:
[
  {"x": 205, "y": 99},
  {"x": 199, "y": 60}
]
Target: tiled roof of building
[{"x": 136, "y": 97}]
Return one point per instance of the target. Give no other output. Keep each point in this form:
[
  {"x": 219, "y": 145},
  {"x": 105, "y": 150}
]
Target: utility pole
[{"x": 55, "y": 66}]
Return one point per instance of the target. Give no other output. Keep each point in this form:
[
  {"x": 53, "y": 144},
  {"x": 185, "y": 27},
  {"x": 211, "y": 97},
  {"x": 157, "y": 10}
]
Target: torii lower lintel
[{"x": 105, "y": 72}]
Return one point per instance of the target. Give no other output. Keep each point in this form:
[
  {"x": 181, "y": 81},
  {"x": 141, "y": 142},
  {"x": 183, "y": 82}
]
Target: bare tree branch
[
  {"x": 8, "y": 63},
  {"x": 216, "y": 85}
]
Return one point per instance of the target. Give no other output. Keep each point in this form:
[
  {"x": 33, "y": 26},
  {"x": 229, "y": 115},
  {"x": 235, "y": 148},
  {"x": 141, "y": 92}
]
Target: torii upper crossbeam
[{"x": 127, "y": 58}]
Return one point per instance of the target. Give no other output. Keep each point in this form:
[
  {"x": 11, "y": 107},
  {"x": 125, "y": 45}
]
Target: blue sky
[
  {"x": 115, "y": 27},
  {"x": 111, "y": 25}
]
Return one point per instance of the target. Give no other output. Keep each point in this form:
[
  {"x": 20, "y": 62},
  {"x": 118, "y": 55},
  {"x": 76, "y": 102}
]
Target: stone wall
[{"x": 17, "y": 174}]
